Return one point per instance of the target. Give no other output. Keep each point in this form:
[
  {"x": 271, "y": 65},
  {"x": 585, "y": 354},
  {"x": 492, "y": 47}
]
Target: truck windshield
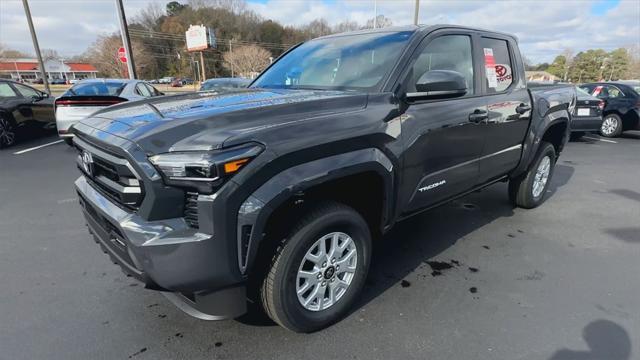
[{"x": 350, "y": 62}]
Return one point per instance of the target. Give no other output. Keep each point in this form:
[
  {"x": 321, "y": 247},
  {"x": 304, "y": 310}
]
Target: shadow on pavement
[
  {"x": 413, "y": 242},
  {"x": 626, "y": 193},
  {"x": 628, "y": 234},
  {"x": 631, "y": 135},
  {"x": 606, "y": 341}
]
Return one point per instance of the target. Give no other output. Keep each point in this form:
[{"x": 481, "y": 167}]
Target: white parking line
[
  {"x": 36, "y": 147},
  {"x": 599, "y": 139}
]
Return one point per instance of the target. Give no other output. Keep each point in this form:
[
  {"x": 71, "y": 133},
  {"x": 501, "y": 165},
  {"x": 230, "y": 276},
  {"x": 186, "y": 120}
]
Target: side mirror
[
  {"x": 44, "y": 95},
  {"x": 439, "y": 84}
]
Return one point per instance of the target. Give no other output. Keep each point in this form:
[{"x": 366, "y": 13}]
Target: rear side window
[
  {"x": 6, "y": 91},
  {"x": 111, "y": 88},
  {"x": 142, "y": 90},
  {"x": 498, "y": 65},
  {"x": 26, "y": 91},
  {"x": 448, "y": 52}
]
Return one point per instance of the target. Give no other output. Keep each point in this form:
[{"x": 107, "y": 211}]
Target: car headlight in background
[{"x": 203, "y": 170}]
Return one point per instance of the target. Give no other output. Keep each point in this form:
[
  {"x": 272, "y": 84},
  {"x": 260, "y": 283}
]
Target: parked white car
[{"x": 91, "y": 95}]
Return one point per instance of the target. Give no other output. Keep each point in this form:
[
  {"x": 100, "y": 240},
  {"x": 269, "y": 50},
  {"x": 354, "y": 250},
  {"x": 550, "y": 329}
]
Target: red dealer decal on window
[{"x": 597, "y": 90}]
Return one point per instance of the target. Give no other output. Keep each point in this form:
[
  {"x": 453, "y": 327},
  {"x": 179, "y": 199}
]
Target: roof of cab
[{"x": 418, "y": 28}]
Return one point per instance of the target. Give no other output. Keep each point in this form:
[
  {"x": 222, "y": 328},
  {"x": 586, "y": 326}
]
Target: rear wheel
[
  {"x": 528, "y": 190},
  {"x": 318, "y": 270},
  {"x": 7, "y": 132},
  {"x": 611, "y": 126}
]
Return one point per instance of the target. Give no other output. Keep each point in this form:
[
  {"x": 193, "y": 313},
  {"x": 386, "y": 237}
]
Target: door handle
[
  {"x": 522, "y": 108},
  {"x": 478, "y": 116}
]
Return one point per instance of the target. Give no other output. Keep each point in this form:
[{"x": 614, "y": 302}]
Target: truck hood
[{"x": 205, "y": 120}]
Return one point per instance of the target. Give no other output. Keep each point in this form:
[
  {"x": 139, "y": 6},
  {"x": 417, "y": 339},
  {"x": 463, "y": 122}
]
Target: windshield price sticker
[{"x": 490, "y": 67}]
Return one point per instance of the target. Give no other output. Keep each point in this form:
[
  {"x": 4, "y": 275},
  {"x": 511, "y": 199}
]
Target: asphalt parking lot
[{"x": 475, "y": 279}]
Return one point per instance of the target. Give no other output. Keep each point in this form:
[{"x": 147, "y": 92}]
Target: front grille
[
  {"x": 191, "y": 209},
  {"x": 111, "y": 174}
]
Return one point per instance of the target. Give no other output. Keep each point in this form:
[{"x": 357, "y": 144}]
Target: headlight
[{"x": 204, "y": 171}]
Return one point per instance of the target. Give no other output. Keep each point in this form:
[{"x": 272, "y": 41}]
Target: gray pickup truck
[{"x": 274, "y": 194}]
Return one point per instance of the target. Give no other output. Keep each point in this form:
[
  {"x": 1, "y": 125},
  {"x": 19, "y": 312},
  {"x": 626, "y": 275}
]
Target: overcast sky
[{"x": 544, "y": 28}]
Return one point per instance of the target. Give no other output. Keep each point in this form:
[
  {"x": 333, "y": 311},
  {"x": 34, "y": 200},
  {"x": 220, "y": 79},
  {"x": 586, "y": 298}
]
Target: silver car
[{"x": 91, "y": 95}]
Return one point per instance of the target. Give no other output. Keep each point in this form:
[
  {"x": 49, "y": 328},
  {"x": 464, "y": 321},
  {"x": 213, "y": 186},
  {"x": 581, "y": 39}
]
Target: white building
[{"x": 29, "y": 70}]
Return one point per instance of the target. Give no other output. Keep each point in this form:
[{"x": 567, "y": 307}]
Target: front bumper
[
  {"x": 166, "y": 255},
  {"x": 586, "y": 123}
]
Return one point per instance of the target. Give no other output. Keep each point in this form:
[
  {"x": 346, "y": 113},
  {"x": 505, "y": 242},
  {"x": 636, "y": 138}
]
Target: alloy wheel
[
  {"x": 541, "y": 176},
  {"x": 7, "y": 134},
  {"x": 609, "y": 126},
  {"x": 326, "y": 271}
]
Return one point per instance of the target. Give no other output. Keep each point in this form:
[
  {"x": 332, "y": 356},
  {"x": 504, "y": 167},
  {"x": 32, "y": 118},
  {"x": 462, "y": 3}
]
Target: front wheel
[
  {"x": 611, "y": 126},
  {"x": 7, "y": 132},
  {"x": 527, "y": 191},
  {"x": 319, "y": 270}
]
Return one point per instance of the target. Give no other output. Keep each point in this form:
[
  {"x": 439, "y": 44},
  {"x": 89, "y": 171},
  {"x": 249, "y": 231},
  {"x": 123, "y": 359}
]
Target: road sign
[{"x": 122, "y": 55}]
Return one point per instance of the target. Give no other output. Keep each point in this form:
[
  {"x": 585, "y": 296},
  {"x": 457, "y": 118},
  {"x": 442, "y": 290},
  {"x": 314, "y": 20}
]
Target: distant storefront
[{"x": 29, "y": 70}]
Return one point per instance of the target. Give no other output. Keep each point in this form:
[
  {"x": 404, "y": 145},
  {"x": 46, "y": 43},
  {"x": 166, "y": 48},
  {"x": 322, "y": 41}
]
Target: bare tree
[
  {"x": 317, "y": 28},
  {"x": 381, "y": 21},
  {"x": 235, "y": 6},
  {"x": 247, "y": 61},
  {"x": 346, "y": 26},
  {"x": 568, "y": 56},
  {"x": 50, "y": 54},
  {"x": 149, "y": 16},
  {"x": 103, "y": 55},
  {"x": 633, "y": 71},
  {"x": 7, "y": 53}
]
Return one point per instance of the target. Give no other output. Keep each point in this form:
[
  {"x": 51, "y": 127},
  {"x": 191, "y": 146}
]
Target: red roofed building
[{"x": 28, "y": 70}]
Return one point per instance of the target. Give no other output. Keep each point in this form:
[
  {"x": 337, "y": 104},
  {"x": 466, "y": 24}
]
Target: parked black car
[
  {"x": 587, "y": 114},
  {"x": 622, "y": 105},
  {"x": 22, "y": 110},
  {"x": 277, "y": 191}
]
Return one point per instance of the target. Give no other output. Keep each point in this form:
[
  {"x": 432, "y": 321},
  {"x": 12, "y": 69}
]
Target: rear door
[
  {"x": 442, "y": 143},
  {"x": 11, "y": 101},
  {"x": 41, "y": 107},
  {"x": 508, "y": 103}
]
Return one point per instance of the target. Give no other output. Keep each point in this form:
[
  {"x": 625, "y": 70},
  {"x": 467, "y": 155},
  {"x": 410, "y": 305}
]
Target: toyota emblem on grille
[{"x": 87, "y": 162}]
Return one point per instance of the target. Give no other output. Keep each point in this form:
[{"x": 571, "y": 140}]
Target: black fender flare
[
  {"x": 256, "y": 210},
  {"x": 536, "y": 132}
]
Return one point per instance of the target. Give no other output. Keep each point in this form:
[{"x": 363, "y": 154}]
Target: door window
[
  {"x": 497, "y": 64},
  {"x": 448, "y": 52},
  {"x": 142, "y": 90},
  {"x": 6, "y": 91},
  {"x": 27, "y": 91},
  {"x": 153, "y": 91}
]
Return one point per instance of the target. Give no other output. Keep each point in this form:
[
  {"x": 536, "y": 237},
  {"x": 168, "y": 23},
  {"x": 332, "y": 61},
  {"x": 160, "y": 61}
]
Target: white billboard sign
[{"x": 197, "y": 38}]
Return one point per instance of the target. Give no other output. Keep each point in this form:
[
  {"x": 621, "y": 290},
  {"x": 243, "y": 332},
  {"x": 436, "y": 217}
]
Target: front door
[{"x": 443, "y": 137}]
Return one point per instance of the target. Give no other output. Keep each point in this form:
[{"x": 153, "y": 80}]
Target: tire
[
  {"x": 7, "y": 132},
  {"x": 279, "y": 291},
  {"x": 611, "y": 126},
  {"x": 525, "y": 191},
  {"x": 68, "y": 141}
]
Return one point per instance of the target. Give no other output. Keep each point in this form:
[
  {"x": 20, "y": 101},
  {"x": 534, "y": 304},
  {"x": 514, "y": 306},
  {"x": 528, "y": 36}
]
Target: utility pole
[
  {"x": 34, "y": 38},
  {"x": 415, "y": 13},
  {"x": 231, "y": 53},
  {"x": 375, "y": 14},
  {"x": 204, "y": 74},
  {"x": 124, "y": 31}
]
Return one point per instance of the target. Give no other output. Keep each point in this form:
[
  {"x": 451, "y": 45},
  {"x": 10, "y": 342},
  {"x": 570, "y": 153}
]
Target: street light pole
[
  {"x": 34, "y": 38},
  {"x": 415, "y": 13},
  {"x": 124, "y": 31}
]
